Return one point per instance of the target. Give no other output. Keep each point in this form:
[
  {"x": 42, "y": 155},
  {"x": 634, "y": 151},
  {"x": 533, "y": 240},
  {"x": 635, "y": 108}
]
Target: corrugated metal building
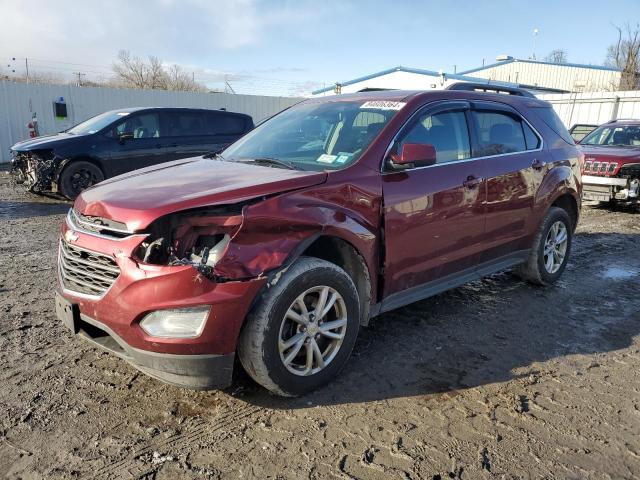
[
  {"x": 569, "y": 77},
  {"x": 18, "y": 101}
]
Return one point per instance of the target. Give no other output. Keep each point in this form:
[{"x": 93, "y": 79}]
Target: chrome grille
[
  {"x": 85, "y": 272},
  {"x": 97, "y": 225},
  {"x": 600, "y": 167}
]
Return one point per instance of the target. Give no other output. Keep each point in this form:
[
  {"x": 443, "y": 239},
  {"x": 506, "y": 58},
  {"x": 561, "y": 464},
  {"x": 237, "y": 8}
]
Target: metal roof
[
  {"x": 512, "y": 60},
  {"x": 400, "y": 68}
]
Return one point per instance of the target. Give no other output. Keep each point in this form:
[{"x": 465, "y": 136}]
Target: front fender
[{"x": 278, "y": 230}]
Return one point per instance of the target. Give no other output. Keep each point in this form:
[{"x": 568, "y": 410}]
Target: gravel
[{"x": 497, "y": 379}]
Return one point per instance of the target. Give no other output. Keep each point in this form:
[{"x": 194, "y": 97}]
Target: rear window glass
[
  {"x": 498, "y": 133},
  {"x": 533, "y": 142},
  {"x": 225, "y": 124},
  {"x": 185, "y": 124},
  {"x": 549, "y": 116}
]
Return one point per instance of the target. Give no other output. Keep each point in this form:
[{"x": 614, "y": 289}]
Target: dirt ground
[{"x": 497, "y": 379}]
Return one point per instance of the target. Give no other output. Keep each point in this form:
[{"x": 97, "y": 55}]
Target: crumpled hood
[
  {"x": 140, "y": 197},
  {"x": 621, "y": 154},
  {"x": 45, "y": 141}
]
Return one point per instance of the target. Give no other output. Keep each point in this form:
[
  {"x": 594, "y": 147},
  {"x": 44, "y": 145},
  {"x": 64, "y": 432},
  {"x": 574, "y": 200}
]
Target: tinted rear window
[
  {"x": 185, "y": 124},
  {"x": 225, "y": 124},
  {"x": 549, "y": 116}
]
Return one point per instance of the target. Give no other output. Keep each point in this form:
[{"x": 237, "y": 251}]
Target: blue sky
[{"x": 286, "y": 47}]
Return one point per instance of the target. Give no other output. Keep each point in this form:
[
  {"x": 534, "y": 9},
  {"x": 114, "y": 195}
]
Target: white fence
[
  {"x": 18, "y": 101},
  {"x": 594, "y": 107}
]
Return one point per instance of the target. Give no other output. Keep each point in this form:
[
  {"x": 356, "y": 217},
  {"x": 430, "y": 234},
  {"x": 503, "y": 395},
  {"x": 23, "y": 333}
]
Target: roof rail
[
  {"x": 624, "y": 120},
  {"x": 486, "y": 87}
]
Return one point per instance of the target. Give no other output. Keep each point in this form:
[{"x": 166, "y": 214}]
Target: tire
[
  {"x": 536, "y": 269},
  {"x": 266, "y": 327},
  {"x": 78, "y": 176}
]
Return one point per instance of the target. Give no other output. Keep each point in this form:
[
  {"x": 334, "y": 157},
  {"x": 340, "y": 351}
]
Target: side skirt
[{"x": 426, "y": 290}]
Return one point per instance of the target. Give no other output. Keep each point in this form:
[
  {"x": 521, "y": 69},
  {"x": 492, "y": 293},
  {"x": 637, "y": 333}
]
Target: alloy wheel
[
  {"x": 555, "y": 247},
  {"x": 312, "y": 330}
]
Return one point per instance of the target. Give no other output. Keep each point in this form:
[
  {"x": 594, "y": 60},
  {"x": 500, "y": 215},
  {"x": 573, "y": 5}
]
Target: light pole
[{"x": 535, "y": 38}]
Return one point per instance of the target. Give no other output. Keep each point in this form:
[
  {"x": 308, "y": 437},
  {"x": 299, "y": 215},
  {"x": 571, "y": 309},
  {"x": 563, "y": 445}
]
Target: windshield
[
  {"x": 625, "y": 136},
  {"x": 316, "y": 136},
  {"x": 97, "y": 123}
]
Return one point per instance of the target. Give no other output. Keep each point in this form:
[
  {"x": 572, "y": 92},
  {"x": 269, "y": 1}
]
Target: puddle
[{"x": 620, "y": 273}]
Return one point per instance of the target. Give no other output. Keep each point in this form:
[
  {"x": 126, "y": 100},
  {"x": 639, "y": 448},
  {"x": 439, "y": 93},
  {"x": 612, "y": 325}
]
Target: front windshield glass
[
  {"x": 625, "y": 136},
  {"x": 97, "y": 123},
  {"x": 316, "y": 135}
]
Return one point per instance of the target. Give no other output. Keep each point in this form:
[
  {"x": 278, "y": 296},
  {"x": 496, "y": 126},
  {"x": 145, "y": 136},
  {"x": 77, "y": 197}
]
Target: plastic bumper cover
[{"x": 200, "y": 372}]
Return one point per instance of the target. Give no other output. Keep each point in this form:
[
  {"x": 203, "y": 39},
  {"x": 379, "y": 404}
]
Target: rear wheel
[
  {"x": 78, "y": 176},
  {"x": 302, "y": 330},
  {"x": 551, "y": 248}
]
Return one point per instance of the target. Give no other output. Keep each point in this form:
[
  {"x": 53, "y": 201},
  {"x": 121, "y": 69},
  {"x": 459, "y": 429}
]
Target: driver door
[
  {"x": 434, "y": 215},
  {"x": 143, "y": 150}
]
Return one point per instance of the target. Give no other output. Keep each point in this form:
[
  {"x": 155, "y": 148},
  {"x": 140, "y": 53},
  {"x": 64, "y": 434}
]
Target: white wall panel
[
  {"x": 594, "y": 107},
  {"x": 18, "y": 101}
]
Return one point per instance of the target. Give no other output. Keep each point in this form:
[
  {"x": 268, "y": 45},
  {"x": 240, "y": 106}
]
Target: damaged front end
[
  {"x": 198, "y": 238},
  {"x": 36, "y": 170}
]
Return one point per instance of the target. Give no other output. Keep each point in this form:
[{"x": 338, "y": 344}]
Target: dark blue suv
[{"x": 119, "y": 141}]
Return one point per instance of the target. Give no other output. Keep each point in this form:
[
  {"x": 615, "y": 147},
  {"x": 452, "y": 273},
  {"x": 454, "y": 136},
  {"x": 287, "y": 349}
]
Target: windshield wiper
[
  {"x": 215, "y": 155},
  {"x": 271, "y": 161}
]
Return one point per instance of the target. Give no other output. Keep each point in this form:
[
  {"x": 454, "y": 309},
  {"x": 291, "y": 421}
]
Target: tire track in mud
[{"x": 177, "y": 442}]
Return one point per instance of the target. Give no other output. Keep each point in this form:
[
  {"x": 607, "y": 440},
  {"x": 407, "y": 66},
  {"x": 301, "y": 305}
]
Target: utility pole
[
  {"x": 80, "y": 75},
  {"x": 26, "y": 67}
]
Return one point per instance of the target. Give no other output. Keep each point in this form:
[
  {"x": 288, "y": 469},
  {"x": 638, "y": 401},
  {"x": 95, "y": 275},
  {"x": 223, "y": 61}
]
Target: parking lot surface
[{"x": 497, "y": 379}]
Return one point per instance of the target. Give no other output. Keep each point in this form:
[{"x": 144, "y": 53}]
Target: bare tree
[
  {"x": 134, "y": 72},
  {"x": 625, "y": 55},
  {"x": 556, "y": 56},
  {"x": 38, "y": 78},
  {"x": 178, "y": 79}
]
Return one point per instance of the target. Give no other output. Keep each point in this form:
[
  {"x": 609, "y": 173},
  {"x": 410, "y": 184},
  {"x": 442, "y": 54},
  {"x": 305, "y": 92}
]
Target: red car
[
  {"x": 611, "y": 170},
  {"x": 330, "y": 213}
]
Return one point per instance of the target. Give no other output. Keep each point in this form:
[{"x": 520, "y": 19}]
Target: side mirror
[
  {"x": 124, "y": 136},
  {"x": 414, "y": 155}
]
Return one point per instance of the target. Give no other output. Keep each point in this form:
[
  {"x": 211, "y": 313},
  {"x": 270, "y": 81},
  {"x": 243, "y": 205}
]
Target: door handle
[
  {"x": 471, "y": 182},
  {"x": 538, "y": 164}
]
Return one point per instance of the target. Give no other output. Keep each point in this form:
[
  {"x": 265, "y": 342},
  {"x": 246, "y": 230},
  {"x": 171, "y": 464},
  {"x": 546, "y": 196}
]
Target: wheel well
[
  {"x": 343, "y": 254},
  {"x": 569, "y": 204},
  {"x": 79, "y": 159}
]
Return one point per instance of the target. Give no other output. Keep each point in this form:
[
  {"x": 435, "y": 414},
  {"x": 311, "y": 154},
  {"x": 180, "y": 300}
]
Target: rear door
[
  {"x": 515, "y": 162},
  {"x": 186, "y": 133},
  {"x": 224, "y": 128},
  {"x": 192, "y": 133},
  {"x": 433, "y": 216},
  {"x": 143, "y": 149}
]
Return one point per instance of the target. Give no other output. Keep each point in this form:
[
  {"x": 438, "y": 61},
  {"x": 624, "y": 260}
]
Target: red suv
[
  {"x": 330, "y": 213},
  {"x": 611, "y": 170}
]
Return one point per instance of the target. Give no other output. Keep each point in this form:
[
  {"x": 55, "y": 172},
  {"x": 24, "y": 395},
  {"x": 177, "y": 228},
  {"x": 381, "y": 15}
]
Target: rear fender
[{"x": 560, "y": 180}]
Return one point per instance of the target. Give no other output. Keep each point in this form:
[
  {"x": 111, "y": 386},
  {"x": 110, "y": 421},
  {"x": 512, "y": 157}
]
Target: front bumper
[
  {"x": 199, "y": 372},
  {"x": 111, "y": 319},
  {"x": 602, "y": 189}
]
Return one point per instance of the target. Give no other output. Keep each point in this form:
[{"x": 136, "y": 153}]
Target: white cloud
[{"x": 88, "y": 35}]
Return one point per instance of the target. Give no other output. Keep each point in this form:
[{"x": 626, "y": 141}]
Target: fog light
[{"x": 178, "y": 323}]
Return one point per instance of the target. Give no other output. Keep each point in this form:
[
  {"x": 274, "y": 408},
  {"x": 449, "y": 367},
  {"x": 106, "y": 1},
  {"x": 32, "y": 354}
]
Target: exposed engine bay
[
  {"x": 36, "y": 170},
  {"x": 198, "y": 238}
]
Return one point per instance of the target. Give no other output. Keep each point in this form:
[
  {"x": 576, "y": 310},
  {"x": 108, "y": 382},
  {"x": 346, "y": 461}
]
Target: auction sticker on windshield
[
  {"x": 383, "y": 105},
  {"x": 326, "y": 158}
]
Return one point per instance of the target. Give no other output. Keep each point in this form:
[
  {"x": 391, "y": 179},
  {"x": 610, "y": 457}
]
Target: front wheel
[
  {"x": 302, "y": 330},
  {"x": 78, "y": 176},
  {"x": 551, "y": 248}
]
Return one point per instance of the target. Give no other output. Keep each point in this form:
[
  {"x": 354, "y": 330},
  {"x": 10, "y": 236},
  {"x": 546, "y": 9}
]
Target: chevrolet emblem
[{"x": 70, "y": 236}]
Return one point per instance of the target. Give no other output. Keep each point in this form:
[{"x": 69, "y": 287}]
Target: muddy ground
[{"x": 497, "y": 379}]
